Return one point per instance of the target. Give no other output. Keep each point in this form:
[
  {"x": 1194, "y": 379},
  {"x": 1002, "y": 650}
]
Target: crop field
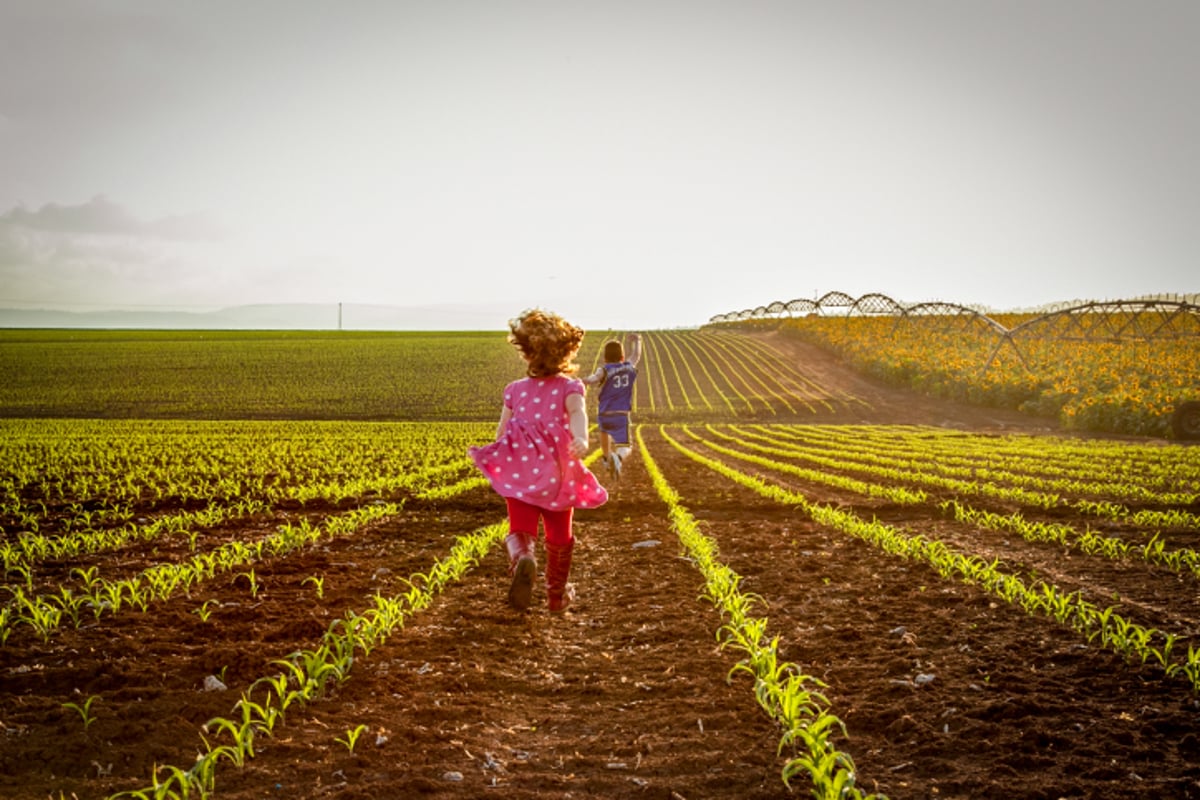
[
  {"x": 249, "y": 565},
  {"x": 1078, "y": 370}
]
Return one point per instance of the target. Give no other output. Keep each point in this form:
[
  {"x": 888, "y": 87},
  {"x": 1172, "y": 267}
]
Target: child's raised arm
[{"x": 635, "y": 348}]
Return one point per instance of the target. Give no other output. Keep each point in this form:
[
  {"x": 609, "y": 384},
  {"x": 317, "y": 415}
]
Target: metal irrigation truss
[
  {"x": 1115, "y": 321},
  {"x": 830, "y": 303},
  {"x": 1145, "y": 319},
  {"x": 1110, "y": 320}
]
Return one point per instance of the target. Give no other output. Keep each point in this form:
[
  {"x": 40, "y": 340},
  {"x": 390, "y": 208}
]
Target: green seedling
[
  {"x": 253, "y": 582},
  {"x": 85, "y": 710},
  {"x": 205, "y": 611},
  {"x": 352, "y": 737},
  {"x": 318, "y": 582}
]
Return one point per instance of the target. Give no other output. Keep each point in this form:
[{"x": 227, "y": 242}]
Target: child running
[
  {"x": 536, "y": 463},
  {"x": 616, "y": 377}
]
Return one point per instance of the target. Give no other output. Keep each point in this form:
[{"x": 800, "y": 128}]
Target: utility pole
[{"x": 339, "y": 316}]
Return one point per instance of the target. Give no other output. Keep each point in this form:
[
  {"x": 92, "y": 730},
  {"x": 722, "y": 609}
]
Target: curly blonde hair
[{"x": 547, "y": 341}]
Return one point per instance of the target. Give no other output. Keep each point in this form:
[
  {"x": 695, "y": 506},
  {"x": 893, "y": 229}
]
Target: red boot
[
  {"x": 522, "y": 567},
  {"x": 559, "y": 593}
]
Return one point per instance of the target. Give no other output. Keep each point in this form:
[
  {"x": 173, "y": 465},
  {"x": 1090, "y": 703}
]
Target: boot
[
  {"x": 559, "y": 593},
  {"x": 522, "y": 567}
]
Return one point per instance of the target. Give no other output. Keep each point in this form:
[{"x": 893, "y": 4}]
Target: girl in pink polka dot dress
[{"x": 536, "y": 462}]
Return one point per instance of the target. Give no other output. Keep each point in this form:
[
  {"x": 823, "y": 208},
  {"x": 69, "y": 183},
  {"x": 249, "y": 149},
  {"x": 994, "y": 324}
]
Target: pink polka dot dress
[{"x": 532, "y": 461}]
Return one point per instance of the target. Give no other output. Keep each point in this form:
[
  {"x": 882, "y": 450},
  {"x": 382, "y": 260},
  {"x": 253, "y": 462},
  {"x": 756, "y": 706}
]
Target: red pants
[{"x": 523, "y": 518}]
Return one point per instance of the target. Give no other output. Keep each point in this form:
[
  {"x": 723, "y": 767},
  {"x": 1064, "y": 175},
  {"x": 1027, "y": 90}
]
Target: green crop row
[
  {"x": 788, "y": 695},
  {"x": 1155, "y": 550},
  {"x": 45, "y": 613},
  {"x": 1109, "y": 628},
  {"x": 306, "y": 674},
  {"x": 853, "y": 452}
]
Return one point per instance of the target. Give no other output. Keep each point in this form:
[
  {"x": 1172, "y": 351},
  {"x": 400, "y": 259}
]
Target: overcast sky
[{"x": 630, "y": 164}]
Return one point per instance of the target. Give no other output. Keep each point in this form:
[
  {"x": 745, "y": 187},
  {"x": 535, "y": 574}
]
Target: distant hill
[{"x": 280, "y": 316}]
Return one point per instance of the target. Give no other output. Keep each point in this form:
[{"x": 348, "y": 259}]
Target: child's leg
[
  {"x": 606, "y": 445},
  {"x": 621, "y": 439},
  {"x": 560, "y": 543},
  {"x": 522, "y": 517},
  {"x": 618, "y": 443},
  {"x": 559, "y": 527},
  {"x": 522, "y": 566}
]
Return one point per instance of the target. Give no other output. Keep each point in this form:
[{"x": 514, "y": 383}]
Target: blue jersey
[{"x": 616, "y": 394}]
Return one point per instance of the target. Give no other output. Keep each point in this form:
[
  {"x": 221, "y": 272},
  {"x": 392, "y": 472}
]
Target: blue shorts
[{"x": 615, "y": 425}]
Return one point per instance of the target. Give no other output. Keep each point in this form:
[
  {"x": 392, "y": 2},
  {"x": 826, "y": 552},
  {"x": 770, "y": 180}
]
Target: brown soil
[{"x": 625, "y": 695}]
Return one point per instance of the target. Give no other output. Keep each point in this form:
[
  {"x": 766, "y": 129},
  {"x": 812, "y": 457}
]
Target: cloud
[
  {"x": 101, "y": 216},
  {"x": 100, "y": 253}
]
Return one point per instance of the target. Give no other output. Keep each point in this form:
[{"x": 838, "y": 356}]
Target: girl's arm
[
  {"x": 578, "y": 424},
  {"x": 505, "y": 416}
]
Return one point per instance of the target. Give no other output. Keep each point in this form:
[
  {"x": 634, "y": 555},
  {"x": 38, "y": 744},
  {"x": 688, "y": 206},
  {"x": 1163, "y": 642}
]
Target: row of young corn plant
[
  {"x": 653, "y": 390},
  {"x": 410, "y": 481},
  {"x": 29, "y": 518},
  {"x": 1145, "y": 517},
  {"x": 719, "y": 373},
  {"x": 735, "y": 372},
  {"x": 771, "y": 359},
  {"x": 772, "y": 371},
  {"x": 1135, "y": 472},
  {"x": 789, "y": 696},
  {"x": 1029, "y": 473},
  {"x": 20, "y": 555},
  {"x": 1157, "y": 480},
  {"x": 306, "y": 675},
  {"x": 729, "y": 368},
  {"x": 1133, "y": 641},
  {"x": 753, "y": 370},
  {"x": 666, "y": 373},
  {"x": 46, "y": 613},
  {"x": 770, "y": 442},
  {"x": 1150, "y": 465},
  {"x": 645, "y": 398},
  {"x": 784, "y": 441},
  {"x": 777, "y": 442},
  {"x": 689, "y": 354},
  {"x": 1089, "y": 542},
  {"x": 75, "y": 518},
  {"x": 1154, "y": 550},
  {"x": 894, "y": 494},
  {"x": 59, "y": 465},
  {"x": 670, "y": 345}
]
